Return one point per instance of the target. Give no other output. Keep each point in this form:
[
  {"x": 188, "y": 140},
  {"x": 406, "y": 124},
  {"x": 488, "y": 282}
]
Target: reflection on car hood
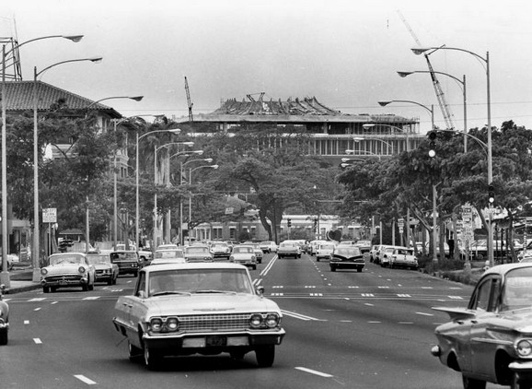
[
  {"x": 207, "y": 303},
  {"x": 64, "y": 268}
]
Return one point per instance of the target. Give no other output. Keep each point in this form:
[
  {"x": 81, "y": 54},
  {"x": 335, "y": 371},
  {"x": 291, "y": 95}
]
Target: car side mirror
[
  {"x": 141, "y": 294},
  {"x": 260, "y": 290}
]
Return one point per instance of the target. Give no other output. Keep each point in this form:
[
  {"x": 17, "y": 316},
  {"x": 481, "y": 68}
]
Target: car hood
[
  {"x": 102, "y": 266},
  {"x": 64, "y": 269},
  {"x": 207, "y": 303}
]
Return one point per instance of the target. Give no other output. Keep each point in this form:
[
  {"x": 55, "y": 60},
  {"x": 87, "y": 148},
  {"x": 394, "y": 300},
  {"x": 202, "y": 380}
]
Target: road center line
[
  {"x": 424, "y": 314},
  {"x": 84, "y": 379},
  {"x": 314, "y": 372},
  {"x": 37, "y": 341}
]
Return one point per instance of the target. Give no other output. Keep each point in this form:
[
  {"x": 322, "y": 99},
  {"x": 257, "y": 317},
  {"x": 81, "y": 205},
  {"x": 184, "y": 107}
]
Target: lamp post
[
  {"x": 461, "y": 82},
  {"x": 36, "y": 232},
  {"x": 135, "y": 98},
  {"x": 4, "y": 275},
  {"x": 360, "y": 138},
  {"x": 155, "y": 229},
  {"x": 486, "y": 60},
  {"x": 137, "y": 205},
  {"x": 208, "y": 160}
]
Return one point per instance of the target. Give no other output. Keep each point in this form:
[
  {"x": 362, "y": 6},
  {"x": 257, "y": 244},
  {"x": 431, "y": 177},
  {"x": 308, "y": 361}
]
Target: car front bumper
[{"x": 64, "y": 280}]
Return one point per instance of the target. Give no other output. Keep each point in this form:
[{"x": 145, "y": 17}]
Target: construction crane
[
  {"x": 446, "y": 111},
  {"x": 189, "y": 102}
]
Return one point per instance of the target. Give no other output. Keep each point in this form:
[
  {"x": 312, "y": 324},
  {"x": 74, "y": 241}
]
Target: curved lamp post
[
  {"x": 357, "y": 139},
  {"x": 4, "y": 275},
  {"x": 135, "y": 98},
  {"x": 36, "y": 233},
  {"x": 137, "y": 205},
  {"x": 486, "y": 60},
  {"x": 461, "y": 82}
]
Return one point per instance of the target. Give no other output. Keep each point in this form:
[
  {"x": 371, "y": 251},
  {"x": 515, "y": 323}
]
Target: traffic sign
[{"x": 49, "y": 215}]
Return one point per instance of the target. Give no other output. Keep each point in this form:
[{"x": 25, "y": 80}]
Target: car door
[{"x": 482, "y": 342}]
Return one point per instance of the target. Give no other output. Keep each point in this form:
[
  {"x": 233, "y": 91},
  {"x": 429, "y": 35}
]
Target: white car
[
  {"x": 403, "y": 257},
  {"x": 245, "y": 255},
  {"x": 220, "y": 250},
  {"x": 268, "y": 246},
  {"x": 200, "y": 308},
  {"x": 325, "y": 251},
  {"x": 66, "y": 270},
  {"x": 166, "y": 256}
]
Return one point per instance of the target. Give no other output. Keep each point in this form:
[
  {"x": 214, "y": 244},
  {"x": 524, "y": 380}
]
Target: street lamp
[
  {"x": 384, "y": 103},
  {"x": 486, "y": 60},
  {"x": 155, "y": 229},
  {"x": 137, "y": 205},
  {"x": 208, "y": 160},
  {"x": 36, "y": 248},
  {"x": 360, "y": 138},
  {"x": 4, "y": 275},
  {"x": 461, "y": 82},
  {"x": 135, "y": 98}
]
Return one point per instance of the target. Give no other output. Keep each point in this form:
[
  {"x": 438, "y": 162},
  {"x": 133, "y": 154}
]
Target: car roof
[
  {"x": 199, "y": 266},
  {"x": 503, "y": 269}
]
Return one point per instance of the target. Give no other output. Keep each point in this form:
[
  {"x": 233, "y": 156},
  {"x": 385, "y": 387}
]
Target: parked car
[
  {"x": 385, "y": 254},
  {"x": 268, "y": 246},
  {"x": 365, "y": 245},
  {"x": 198, "y": 253},
  {"x": 374, "y": 252},
  {"x": 220, "y": 250},
  {"x": 244, "y": 255},
  {"x": 145, "y": 256},
  {"x": 128, "y": 261},
  {"x": 403, "y": 257},
  {"x": 105, "y": 270},
  {"x": 4, "y": 318},
  {"x": 490, "y": 340},
  {"x": 288, "y": 249},
  {"x": 66, "y": 270},
  {"x": 199, "y": 308},
  {"x": 347, "y": 257},
  {"x": 325, "y": 251},
  {"x": 313, "y": 245}
]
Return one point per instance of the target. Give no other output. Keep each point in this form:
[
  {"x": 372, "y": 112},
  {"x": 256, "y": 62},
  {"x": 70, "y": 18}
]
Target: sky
[{"x": 346, "y": 53}]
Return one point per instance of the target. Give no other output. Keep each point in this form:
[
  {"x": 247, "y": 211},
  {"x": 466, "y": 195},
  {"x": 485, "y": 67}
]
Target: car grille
[
  {"x": 63, "y": 278},
  {"x": 214, "y": 322}
]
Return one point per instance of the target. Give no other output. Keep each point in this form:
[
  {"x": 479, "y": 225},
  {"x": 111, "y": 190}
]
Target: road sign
[{"x": 49, "y": 215}]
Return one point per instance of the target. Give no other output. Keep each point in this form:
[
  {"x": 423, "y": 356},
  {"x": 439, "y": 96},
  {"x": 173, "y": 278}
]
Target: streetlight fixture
[
  {"x": 36, "y": 231},
  {"x": 360, "y": 138},
  {"x": 137, "y": 205},
  {"x": 4, "y": 275},
  {"x": 135, "y": 98},
  {"x": 486, "y": 60},
  {"x": 384, "y": 103},
  {"x": 461, "y": 82},
  {"x": 208, "y": 160}
]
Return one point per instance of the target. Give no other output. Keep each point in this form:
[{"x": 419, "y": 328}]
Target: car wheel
[
  {"x": 237, "y": 355},
  {"x": 265, "y": 356},
  {"x": 359, "y": 269},
  {"x": 471, "y": 383},
  {"x": 46, "y": 289},
  {"x": 85, "y": 287},
  {"x": 333, "y": 268},
  {"x": 53, "y": 289},
  {"x": 135, "y": 274},
  {"x": 135, "y": 353},
  {"x": 110, "y": 282},
  {"x": 254, "y": 267},
  {"x": 151, "y": 359},
  {"x": 91, "y": 286},
  {"x": 516, "y": 384},
  {"x": 317, "y": 259},
  {"x": 3, "y": 336}
]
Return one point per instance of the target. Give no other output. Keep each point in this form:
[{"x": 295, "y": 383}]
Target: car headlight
[
  {"x": 255, "y": 321},
  {"x": 44, "y": 271},
  {"x": 524, "y": 347},
  {"x": 172, "y": 324},
  {"x": 156, "y": 324},
  {"x": 253, "y": 257},
  {"x": 81, "y": 269},
  {"x": 266, "y": 320},
  {"x": 164, "y": 324},
  {"x": 272, "y": 320}
]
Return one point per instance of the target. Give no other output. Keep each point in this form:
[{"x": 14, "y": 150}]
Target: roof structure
[
  {"x": 306, "y": 110},
  {"x": 19, "y": 95}
]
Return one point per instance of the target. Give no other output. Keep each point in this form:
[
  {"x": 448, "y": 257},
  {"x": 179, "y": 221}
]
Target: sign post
[{"x": 49, "y": 215}]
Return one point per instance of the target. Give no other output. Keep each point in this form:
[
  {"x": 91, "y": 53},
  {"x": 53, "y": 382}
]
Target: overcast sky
[{"x": 345, "y": 53}]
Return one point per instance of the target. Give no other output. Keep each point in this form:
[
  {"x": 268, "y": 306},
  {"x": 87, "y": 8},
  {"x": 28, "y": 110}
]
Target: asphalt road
[{"x": 344, "y": 330}]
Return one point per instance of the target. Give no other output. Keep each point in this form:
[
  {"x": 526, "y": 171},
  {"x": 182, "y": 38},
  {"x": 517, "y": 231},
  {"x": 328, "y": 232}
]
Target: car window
[
  {"x": 486, "y": 295},
  {"x": 64, "y": 259},
  {"x": 517, "y": 289},
  {"x": 141, "y": 284}
]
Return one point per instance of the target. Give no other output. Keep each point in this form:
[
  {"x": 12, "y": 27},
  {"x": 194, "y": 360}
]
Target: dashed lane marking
[
  {"x": 37, "y": 341},
  {"x": 368, "y": 295},
  {"x": 316, "y": 294},
  {"x": 26, "y": 322},
  {"x": 92, "y": 298},
  {"x": 37, "y": 299},
  {"x": 424, "y": 314},
  {"x": 315, "y": 372},
  {"x": 299, "y": 316},
  {"x": 84, "y": 379},
  {"x": 403, "y": 295},
  {"x": 455, "y": 297}
]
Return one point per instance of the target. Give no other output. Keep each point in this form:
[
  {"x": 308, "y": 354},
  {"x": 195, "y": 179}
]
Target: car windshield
[
  {"x": 518, "y": 289},
  {"x": 243, "y": 250},
  {"x": 347, "y": 251},
  {"x": 169, "y": 254},
  {"x": 327, "y": 247},
  {"x": 191, "y": 281},
  {"x": 197, "y": 250},
  {"x": 125, "y": 256},
  {"x": 98, "y": 259},
  {"x": 66, "y": 260}
]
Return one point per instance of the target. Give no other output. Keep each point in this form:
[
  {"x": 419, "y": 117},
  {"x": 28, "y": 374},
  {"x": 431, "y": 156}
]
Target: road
[{"x": 344, "y": 330}]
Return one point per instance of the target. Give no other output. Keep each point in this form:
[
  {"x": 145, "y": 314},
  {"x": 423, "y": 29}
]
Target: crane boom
[
  {"x": 189, "y": 102},
  {"x": 446, "y": 111}
]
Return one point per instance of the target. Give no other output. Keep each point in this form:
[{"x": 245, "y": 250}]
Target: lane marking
[
  {"x": 368, "y": 295},
  {"x": 37, "y": 341},
  {"x": 37, "y": 299},
  {"x": 276, "y": 294},
  {"x": 315, "y": 372},
  {"x": 92, "y": 298},
  {"x": 316, "y": 294},
  {"x": 369, "y": 305},
  {"x": 374, "y": 322},
  {"x": 54, "y": 302},
  {"x": 299, "y": 316},
  {"x": 37, "y": 309},
  {"x": 455, "y": 297},
  {"x": 406, "y": 322},
  {"x": 26, "y": 322},
  {"x": 403, "y": 295},
  {"x": 424, "y": 314},
  {"x": 84, "y": 379},
  {"x": 353, "y": 287}
]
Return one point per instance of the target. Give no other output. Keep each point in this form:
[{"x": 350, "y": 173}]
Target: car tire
[
  {"x": 91, "y": 286},
  {"x": 151, "y": 359},
  {"x": 333, "y": 268},
  {"x": 3, "y": 336},
  {"x": 516, "y": 384},
  {"x": 135, "y": 353},
  {"x": 237, "y": 355},
  {"x": 359, "y": 269},
  {"x": 265, "y": 356},
  {"x": 85, "y": 287},
  {"x": 471, "y": 383},
  {"x": 46, "y": 289},
  {"x": 110, "y": 282},
  {"x": 254, "y": 267},
  {"x": 317, "y": 259}
]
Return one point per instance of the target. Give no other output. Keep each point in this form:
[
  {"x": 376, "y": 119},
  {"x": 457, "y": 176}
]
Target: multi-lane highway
[{"x": 344, "y": 330}]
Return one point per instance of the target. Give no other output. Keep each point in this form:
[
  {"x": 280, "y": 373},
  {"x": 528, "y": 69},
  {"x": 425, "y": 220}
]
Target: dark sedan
[{"x": 347, "y": 257}]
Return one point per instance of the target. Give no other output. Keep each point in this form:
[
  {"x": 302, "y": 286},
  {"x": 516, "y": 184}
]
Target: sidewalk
[{"x": 21, "y": 279}]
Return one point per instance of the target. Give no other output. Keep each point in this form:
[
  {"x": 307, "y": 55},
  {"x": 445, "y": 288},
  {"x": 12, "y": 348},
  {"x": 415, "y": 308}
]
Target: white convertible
[{"x": 198, "y": 308}]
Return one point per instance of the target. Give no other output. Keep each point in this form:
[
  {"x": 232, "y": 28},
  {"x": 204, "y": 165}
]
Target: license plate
[
  {"x": 216, "y": 341},
  {"x": 62, "y": 282}
]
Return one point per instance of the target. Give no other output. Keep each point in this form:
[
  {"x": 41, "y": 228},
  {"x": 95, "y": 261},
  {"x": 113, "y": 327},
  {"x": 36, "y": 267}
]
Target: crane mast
[
  {"x": 446, "y": 111},
  {"x": 189, "y": 102}
]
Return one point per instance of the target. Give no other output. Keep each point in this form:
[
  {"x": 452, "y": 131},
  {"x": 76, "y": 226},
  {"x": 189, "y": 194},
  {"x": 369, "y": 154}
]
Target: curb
[{"x": 24, "y": 288}]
